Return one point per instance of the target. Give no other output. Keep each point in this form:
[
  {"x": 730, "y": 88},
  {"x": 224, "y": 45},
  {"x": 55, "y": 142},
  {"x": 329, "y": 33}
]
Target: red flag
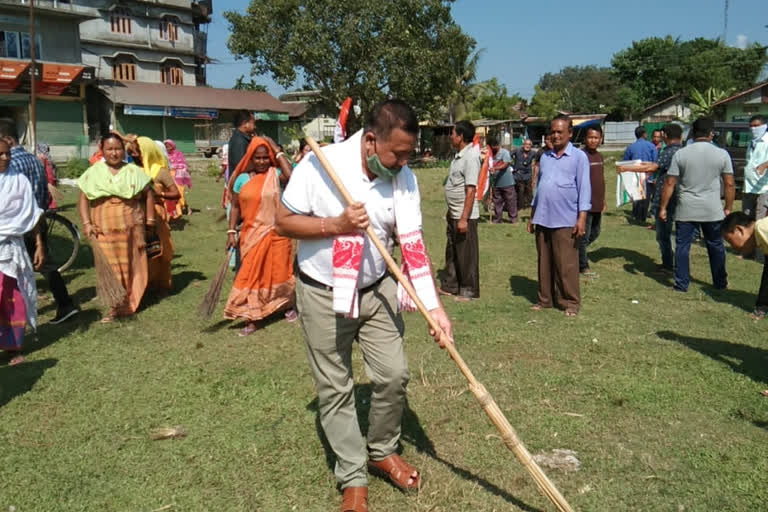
[{"x": 340, "y": 131}]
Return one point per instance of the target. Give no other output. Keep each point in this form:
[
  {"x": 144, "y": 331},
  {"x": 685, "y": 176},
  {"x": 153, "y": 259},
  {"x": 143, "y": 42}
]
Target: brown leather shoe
[
  {"x": 355, "y": 499},
  {"x": 397, "y": 471}
]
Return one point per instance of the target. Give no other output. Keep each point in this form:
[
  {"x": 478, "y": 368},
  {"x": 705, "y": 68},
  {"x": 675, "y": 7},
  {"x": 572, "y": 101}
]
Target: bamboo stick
[{"x": 508, "y": 434}]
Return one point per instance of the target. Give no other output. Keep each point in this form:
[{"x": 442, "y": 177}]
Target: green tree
[
  {"x": 410, "y": 49},
  {"x": 659, "y": 67},
  {"x": 462, "y": 92},
  {"x": 545, "y": 103},
  {"x": 251, "y": 85},
  {"x": 584, "y": 90},
  {"x": 492, "y": 101}
]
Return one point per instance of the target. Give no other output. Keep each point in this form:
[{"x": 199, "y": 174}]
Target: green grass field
[{"x": 659, "y": 398}]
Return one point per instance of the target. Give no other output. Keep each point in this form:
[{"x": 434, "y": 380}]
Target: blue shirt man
[
  {"x": 559, "y": 217},
  {"x": 27, "y": 164},
  {"x": 643, "y": 150}
]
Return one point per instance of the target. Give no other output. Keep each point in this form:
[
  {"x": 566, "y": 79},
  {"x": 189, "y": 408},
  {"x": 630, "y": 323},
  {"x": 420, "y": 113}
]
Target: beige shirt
[
  {"x": 465, "y": 171},
  {"x": 761, "y": 234}
]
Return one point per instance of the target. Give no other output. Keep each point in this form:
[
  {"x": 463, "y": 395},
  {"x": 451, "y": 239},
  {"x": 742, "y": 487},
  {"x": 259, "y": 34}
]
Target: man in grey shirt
[
  {"x": 697, "y": 169},
  {"x": 462, "y": 275}
]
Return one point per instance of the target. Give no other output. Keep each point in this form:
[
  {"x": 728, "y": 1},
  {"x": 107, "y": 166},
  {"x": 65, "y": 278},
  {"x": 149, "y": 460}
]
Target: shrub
[{"x": 73, "y": 168}]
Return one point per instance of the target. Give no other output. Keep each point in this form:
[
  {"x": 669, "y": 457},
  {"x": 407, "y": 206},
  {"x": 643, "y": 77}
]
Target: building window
[
  {"x": 124, "y": 69},
  {"x": 169, "y": 29},
  {"x": 120, "y": 21},
  {"x": 16, "y": 45},
  {"x": 172, "y": 74}
]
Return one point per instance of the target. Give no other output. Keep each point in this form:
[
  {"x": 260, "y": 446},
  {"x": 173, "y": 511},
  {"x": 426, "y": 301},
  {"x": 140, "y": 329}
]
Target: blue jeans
[
  {"x": 715, "y": 250},
  {"x": 664, "y": 238}
]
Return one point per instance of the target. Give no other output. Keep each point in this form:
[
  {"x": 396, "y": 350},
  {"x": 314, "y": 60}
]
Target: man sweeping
[{"x": 344, "y": 291}]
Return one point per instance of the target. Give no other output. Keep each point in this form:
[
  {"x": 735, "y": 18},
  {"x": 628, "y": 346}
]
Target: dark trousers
[
  {"x": 664, "y": 239},
  {"x": 591, "y": 233},
  {"x": 53, "y": 277},
  {"x": 524, "y": 191},
  {"x": 640, "y": 208},
  {"x": 462, "y": 254},
  {"x": 504, "y": 198},
  {"x": 558, "y": 268},
  {"x": 715, "y": 251},
  {"x": 762, "y": 294}
]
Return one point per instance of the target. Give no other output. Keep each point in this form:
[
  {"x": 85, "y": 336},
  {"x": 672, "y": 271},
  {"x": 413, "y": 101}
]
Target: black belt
[{"x": 314, "y": 283}]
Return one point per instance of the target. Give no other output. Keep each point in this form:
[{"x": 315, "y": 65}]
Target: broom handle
[{"x": 508, "y": 434}]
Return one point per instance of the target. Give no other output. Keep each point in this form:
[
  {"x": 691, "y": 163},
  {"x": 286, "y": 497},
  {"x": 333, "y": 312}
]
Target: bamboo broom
[
  {"x": 211, "y": 299},
  {"x": 508, "y": 434}
]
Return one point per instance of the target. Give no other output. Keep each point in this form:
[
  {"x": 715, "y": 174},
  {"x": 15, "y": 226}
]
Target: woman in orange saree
[{"x": 265, "y": 282}]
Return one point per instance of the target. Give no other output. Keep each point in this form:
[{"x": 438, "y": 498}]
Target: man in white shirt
[
  {"x": 312, "y": 210},
  {"x": 755, "y": 202}
]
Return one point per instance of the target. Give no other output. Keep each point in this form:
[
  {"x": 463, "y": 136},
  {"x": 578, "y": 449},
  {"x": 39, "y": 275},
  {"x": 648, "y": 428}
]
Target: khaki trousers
[
  {"x": 329, "y": 338},
  {"x": 558, "y": 268}
]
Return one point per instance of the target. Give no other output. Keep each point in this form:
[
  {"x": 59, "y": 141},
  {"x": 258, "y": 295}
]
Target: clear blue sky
[{"x": 523, "y": 40}]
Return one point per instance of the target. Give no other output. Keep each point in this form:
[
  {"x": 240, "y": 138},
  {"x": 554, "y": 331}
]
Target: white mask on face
[{"x": 758, "y": 131}]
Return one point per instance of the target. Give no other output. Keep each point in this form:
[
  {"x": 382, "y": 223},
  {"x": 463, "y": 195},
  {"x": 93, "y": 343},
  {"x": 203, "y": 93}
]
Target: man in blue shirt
[
  {"x": 643, "y": 150},
  {"x": 28, "y": 165},
  {"x": 559, "y": 215}
]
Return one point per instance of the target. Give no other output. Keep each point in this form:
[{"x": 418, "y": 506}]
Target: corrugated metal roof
[{"x": 142, "y": 93}]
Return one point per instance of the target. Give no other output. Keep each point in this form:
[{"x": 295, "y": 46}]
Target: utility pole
[
  {"x": 725, "y": 22},
  {"x": 32, "y": 91}
]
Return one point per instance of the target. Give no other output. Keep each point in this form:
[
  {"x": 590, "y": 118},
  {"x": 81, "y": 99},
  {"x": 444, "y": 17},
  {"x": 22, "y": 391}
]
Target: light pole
[{"x": 32, "y": 91}]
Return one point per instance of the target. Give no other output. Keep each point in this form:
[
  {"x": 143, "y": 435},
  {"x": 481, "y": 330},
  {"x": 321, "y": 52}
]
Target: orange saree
[
  {"x": 265, "y": 282},
  {"x": 160, "y": 266}
]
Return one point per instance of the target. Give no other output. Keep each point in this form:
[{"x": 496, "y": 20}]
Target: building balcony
[
  {"x": 53, "y": 8},
  {"x": 201, "y": 44}
]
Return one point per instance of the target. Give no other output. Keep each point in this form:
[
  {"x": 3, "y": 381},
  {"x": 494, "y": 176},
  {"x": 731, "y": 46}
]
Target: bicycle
[{"x": 62, "y": 242}]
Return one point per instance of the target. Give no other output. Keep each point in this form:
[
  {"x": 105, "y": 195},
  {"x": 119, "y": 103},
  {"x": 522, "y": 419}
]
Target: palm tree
[{"x": 462, "y": 93}]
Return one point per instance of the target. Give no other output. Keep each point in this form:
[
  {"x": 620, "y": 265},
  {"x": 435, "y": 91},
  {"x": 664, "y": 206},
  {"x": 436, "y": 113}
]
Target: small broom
[
  {"x": 108, "y": 287},
  {"x": 211, "y": 299}
]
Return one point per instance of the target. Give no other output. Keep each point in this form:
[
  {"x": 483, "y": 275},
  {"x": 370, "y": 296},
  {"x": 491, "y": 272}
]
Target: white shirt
[{"x": 311, "y": 192}]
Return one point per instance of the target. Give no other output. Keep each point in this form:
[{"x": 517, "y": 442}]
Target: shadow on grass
[
  {"x": 237, "y": 324},
  {"x": 17, "y": 380},
  {"x": 413, "y": 433},
  {"x": 80, "y": 297},
  {"x": 738, "y": 298},
  {"x": 48, "y": 334},
  {"x": 522, "y": 286},
  {"x": 638, "y": 263},
  {"x": 749, "y": 361}
]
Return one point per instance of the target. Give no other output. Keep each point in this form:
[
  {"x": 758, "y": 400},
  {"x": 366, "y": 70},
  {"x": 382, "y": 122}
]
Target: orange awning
[
  {"x": 11, "y": 74},
  {"x": 56, "y": 78}
]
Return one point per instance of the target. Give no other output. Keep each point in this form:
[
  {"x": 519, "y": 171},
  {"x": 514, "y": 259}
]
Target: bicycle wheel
[{"x": 62, "y": 242}]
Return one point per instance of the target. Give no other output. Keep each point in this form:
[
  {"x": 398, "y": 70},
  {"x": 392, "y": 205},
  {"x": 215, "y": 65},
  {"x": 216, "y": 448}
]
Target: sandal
[
  {"x": 107, "y": 319},
  {"x": 291, "y": 316},
  {"x": 16, "y": 360},
  {"x": 539, "y": 307},
  {"x": 355, "y": 499},
  {"x": 758, "y": 313},
  {"x": 764, "y": 392},
  {"x": 571, "y": 313},
  {"x": 247, "y": 330},
  {"x": 397, "y": 471}
]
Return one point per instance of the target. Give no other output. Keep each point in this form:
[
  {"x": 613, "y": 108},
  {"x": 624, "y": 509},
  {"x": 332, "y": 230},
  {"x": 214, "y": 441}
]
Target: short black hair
[
  {"x": 111, "y": 135},
  {"x": 673, "y": 131},
  {"x": 657, "y": 130},
  {"x": 389, "y": 115},
  {"x": 466, "y": 130},
  {"x": 735, "y": 219},
  {"x": 595, "y": 128},
  {"x": 491, "y": 140},
  {"x": 8, "y": 129},
  {"x": 640, "y": 132},
  {"x": 241, "y": 116},
  {"x": 562, "y": 117},
  {"x": 757, "y": 117},
  {"x": 702, "y": 127}
]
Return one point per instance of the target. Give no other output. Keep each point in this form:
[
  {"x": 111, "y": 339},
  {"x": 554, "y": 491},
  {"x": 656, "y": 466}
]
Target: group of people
[
  {"x": 565, "y": 214},
  {"x": 334, "y": 281}
]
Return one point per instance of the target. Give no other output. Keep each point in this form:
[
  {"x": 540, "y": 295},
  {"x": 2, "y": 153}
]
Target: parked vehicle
[
  {"x": 734, "y": 137},
  {"x": 210, "y": 137}
]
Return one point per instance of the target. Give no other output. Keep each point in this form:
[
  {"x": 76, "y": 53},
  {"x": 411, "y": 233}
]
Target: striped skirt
[{"x": 124, "y": 245}]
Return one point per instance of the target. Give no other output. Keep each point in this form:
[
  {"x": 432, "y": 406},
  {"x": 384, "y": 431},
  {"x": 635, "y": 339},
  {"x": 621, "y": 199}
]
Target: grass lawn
[{"x": 658, "y": 397}]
